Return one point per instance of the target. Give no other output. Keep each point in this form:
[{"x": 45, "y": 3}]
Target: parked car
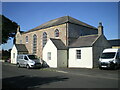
[
  {"x": 29, "y": 61},
  {"x": 110, "y": 58},
  {"x": 9, "y": 60}
]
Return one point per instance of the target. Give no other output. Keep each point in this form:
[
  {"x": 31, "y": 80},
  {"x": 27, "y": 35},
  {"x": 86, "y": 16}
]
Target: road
[{"x": 14, "y": 77}]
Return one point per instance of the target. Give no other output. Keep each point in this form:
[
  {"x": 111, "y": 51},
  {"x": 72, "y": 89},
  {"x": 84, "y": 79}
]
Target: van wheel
[
  {"x": 100, "y": 68},
  {"x": 115, "y": 67},
  {"x": 28, "y": 67}
]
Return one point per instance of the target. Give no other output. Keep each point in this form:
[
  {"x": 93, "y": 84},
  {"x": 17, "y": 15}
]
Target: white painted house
[
  {"x": 85, "y": 51},
  {"x": 17, "y": 49},
  {"x": 55, "y": 53}
]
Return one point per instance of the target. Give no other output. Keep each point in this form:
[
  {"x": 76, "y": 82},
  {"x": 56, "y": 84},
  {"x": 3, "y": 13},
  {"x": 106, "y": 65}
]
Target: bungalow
[
  {"x": 85, "y": 51},
  {"x": 17, "y": 49}
]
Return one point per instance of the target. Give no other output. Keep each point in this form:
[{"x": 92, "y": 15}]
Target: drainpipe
[{"x": 67, "y": 44}]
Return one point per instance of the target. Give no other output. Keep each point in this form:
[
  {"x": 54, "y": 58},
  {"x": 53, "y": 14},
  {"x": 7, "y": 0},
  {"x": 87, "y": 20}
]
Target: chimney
[
  {"x": 18, "y": 29},
  {"x": 100, "y": 29}
]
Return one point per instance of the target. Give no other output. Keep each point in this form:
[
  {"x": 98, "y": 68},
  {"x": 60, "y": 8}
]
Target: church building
[
  {"x": 66, "y": 28},
  {"x": 78, "y": 44}
]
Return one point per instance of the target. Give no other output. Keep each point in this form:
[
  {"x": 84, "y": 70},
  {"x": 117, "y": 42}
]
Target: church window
[
  {"x": 26, "y": 39},
  {"x": 44, "y": 38},
  {"x": 20, "y": 41},
  {"x": 34, "y": 44},
  {"x": 56, "y": 33}
]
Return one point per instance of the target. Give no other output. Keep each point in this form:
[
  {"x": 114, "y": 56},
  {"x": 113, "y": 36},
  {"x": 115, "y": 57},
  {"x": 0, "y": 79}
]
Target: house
[
  {"x": 17, "y": 49},
  {"x": 85, "y": 51},
  {"x": 66, "y": 28},
  {"x": 55, "y": 53},
  {"x": 115, "y": 43}
]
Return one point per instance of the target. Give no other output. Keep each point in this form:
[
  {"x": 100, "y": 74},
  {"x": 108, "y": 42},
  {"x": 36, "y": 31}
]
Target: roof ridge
[
  {"x": 61, "y": 20},
  {"x": 96, "y": 39},
  {"x": 89, "y": 35}
]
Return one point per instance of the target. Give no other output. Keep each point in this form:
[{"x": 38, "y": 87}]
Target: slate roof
[
  {"x": 59, "y": 21},
  {"x": 114, "y": 42},
  {"x": 84, "y": 41},
  {"x": 21, "y": 48},
  {"x": 21, "y": 31},
  {"x": 59, "y": 44}
]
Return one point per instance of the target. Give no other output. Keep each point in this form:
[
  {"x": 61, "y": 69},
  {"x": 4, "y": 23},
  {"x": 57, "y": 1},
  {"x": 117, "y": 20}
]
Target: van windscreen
[
  {"x": 108, "y": 55},
  {"x": 32, "y": 57}
]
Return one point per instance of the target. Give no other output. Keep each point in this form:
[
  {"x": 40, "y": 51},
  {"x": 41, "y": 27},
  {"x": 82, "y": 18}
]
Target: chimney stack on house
[
  {"x": 100, "y": 29},
  {"x": 18, "y": 29}
]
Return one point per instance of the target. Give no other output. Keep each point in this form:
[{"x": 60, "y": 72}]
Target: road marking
[{"x": 62, "y": 71}]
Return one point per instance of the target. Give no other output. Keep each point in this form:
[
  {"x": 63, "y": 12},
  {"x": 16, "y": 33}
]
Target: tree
[{"x": 9, "y": 28}]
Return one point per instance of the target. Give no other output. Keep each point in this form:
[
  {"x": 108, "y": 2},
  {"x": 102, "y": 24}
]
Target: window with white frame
[
  {"x": 26, "y": 39},
  {"x": 49, "y": 55},
  {"x": 78, "y": 54}
]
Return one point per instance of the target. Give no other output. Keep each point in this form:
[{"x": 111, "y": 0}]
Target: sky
[{"x": 32, "y": 14}]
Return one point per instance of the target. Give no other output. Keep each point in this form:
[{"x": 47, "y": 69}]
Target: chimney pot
[{"x": 100, "y": 29}]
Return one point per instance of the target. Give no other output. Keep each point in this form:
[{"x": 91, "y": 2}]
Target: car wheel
[
  {"x": 18, "y": 65},
  {"x": 28, "y": 67},
  {"x": 115, "y": 67}
]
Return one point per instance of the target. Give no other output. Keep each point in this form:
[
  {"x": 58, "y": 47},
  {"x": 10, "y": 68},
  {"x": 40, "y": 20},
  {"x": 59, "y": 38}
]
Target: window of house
[
  {"x": 49, "y": 55},
  {"x": 26, "y": 39},
  {"x": 13, "y": 55},
  {"x": 78, "y": 54},
  {"x": 44, "y": 38},
  {"x": 34, "y": 44},
  {"x": 56, "y": 33}
]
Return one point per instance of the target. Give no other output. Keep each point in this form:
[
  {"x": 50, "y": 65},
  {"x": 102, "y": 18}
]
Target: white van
[
  {"x": 110, "y": 58},
  {"x": 28, "y": 61}
]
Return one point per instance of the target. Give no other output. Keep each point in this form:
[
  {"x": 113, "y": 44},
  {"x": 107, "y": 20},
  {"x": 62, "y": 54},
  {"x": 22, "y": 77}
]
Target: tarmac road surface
[{"x": 14, "y": 77}]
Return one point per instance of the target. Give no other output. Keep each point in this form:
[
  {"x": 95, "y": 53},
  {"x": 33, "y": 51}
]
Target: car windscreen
[
  {"x": 108, "y": 55},
  {"x": 32, "y": 57}
]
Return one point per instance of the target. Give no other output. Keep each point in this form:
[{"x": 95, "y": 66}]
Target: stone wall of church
[
  {"x": 39, "y": 33},
  {"x": 18, "y": 38},
  {"x": 76, "y": 30}
]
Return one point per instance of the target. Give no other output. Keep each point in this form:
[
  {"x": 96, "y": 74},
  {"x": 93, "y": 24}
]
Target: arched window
[
  {"x": 44, "y": 38},
  {"x": 34, "y": 44},
  {"x": 56, "y": 33},
  {"x": 26, "y": 39},
  {"x": 20, "y": 41}
]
